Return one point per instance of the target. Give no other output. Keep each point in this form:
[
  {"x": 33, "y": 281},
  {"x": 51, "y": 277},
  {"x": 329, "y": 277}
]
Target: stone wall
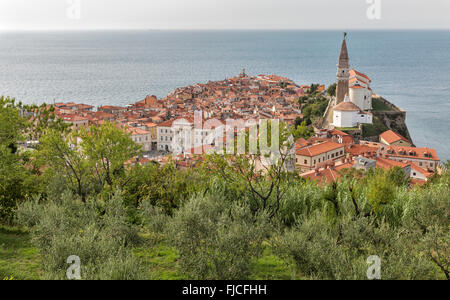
[{"x": 395, "y": 119}]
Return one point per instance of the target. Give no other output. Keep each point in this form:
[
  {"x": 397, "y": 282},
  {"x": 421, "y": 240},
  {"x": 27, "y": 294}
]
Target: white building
[
  {"x": 164, "y": 136},
  {"x": 183, "y": 135},
  {"x": 359, "y": 90},
  {"x": 348, "y": 114},
  {"x": 179, "y": 136}
]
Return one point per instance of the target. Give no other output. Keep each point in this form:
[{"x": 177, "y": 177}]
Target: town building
[
  {"x": 309, "y": 157},
  {"x": 392, "y": 138},
  {"x": 347, "y": 114},
  {"x": 141, "y": 137},
  {"x": 424, "y": 158}
]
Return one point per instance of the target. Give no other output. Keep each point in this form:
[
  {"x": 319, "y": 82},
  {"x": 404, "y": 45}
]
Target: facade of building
[
  {"x": 76, "y": 121},
  {"x": 347, "y": 114},
  {"x": 141, "y": 137},
  {"x": 309, "y": 157},
  {"x": 360, "y": 92},
  {"x": 165, "y": 136},
  {"x": 424, "y": 158}
]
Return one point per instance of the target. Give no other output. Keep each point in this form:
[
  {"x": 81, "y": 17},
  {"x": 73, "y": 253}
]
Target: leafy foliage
[
  {"x": 97, "y": 233},
  {"x": 215, "y": 240}
]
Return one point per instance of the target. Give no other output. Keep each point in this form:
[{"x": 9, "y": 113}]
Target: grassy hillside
[{"x": 18, "y": 258}]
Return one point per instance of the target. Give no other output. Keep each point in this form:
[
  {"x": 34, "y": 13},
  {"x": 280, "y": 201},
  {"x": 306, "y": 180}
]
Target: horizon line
[{"x": 218, "y": 29}]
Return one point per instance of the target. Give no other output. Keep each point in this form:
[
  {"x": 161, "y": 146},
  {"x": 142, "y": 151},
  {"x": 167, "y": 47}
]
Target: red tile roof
[
  {"x": 353, "y": 72},
  {"x": 347, "y": 106},
  {"x": 392, "y": 137},
  {"x": 412, "y": 153},
  {"x": 318, "y": 149},
  {"x": 389, "y": 164}
]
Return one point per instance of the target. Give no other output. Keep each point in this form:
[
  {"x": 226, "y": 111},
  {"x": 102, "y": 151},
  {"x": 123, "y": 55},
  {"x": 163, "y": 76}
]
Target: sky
[{"x": 223, "y": 14}]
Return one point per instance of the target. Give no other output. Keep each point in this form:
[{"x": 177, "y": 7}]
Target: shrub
[
  {"x": 95, "y": 232},
  {"x": 217, "y": 240}
]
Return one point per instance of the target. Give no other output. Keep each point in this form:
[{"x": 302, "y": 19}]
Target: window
[
  {"x": 314, "y": 161},
  {"x": 420, "y": 164},
  {"x": 306, "y": 162}
]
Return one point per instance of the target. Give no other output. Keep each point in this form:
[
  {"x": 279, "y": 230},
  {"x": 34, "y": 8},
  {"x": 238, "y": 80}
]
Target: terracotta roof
[
  {"x": 392, "y": 137},
  {"x": 347, "y": 106},
  {"x": 338, "y": 132},
  {"x": 167, "y": 123},
  {"x": 355, "y": 149},
  {"x": 322, "y": 176},
  {"x": 328, "y": 174},
  {"x": 353, "y": 72},
  {"x": 317, "y": 149},
  {"x": 412, "y": 152},
  {"x": 388, "y": 164},
  {"x": 137, "y": 131}
]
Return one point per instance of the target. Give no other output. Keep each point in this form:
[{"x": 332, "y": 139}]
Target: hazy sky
[{"x": 224, "y": 14}]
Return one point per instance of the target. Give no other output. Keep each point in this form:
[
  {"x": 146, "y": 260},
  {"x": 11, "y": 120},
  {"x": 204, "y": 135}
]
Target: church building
[
  {"x": 348, "y": 114},
  {"x": 353, "y": 94},
  {"x": 360, "y": 91}
]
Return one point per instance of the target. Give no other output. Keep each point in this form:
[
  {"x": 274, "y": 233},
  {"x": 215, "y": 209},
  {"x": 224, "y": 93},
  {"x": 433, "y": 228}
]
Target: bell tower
[{"x": 342, "y": 73}]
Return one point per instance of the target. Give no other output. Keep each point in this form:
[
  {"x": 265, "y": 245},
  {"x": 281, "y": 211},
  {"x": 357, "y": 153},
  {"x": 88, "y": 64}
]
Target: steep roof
[
  {"x": 344, "y": 52},
  {"x": 353, "y": 72},
  {"x": 392, "y": 137}
]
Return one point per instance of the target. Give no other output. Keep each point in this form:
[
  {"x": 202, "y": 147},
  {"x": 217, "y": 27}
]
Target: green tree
[
  {"x": 331, "y": 91},
  {"x": 43, "y": 118},
  {"x": 17, "y": 180},
  {"x": 302, "y": 131},
  {"x": 62, "y": 154},
  {"x": 108, "y": 148},
  {"x": 12, "y": 124}
]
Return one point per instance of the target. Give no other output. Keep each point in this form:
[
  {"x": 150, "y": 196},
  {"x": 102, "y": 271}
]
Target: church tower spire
[{"x": 343, "y": 74}]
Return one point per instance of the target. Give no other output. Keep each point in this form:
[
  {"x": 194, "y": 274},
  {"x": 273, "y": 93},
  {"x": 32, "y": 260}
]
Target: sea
[{"x": 409, "y": 68}]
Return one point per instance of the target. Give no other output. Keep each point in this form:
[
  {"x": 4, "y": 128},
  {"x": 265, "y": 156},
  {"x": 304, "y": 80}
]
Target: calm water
[{"x": 410, "y": 68}]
